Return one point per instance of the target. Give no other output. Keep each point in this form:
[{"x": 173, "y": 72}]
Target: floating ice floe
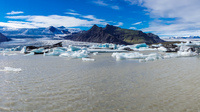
[
  {"x": 73, "y": 48},
  {"x": 105, "y": 50},
  {"x": 4, "y": 54},
  {"x": 103, "y": 46},
  {"x": 134, "y": 55},
  {"x": 75, "y": 54},
  {"x": 137, "y": 47},
  {"x": 156, "y": 45},
  {"x": 186, "y": 54},
  {"x": 88, "y": 59},
  {"x": 30, "y": 54},
  {"x": 10, "y": 69},
  {"x": 161, "y": 48},
  {"x": 141, "y": 57}
]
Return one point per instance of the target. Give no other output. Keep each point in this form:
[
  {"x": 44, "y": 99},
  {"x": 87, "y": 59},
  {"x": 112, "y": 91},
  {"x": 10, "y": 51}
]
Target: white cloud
[
  {"x": 71, "y": 10},
  {"x": 33, "y": 21},
  {"x": 72, "y": 13},
  {"x": 14, "y": 12},
  {"x": 137, "y": 23},
  {"x": 115, "y": 7},
  {"x": 133, "y": 28},
  {"x": 119, "y": 24},
  {"x": 102, "y": 3},
  {"x": 132, "y": 2},
  {"x": 172, "y": 17}
]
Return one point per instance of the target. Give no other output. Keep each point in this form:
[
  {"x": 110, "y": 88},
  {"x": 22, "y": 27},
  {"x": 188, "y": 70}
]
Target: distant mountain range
[
  {"x": 38, "y": 32},
  {"x": 189, "y": 37},
  {"x": 113, "y": 34}
]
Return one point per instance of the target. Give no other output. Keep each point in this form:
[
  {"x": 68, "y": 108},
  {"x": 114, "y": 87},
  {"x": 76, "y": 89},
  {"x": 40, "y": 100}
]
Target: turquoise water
[{"x": 58, "y": 84}]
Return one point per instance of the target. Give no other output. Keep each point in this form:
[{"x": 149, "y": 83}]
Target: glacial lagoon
[{"x": 61, "y": 84}]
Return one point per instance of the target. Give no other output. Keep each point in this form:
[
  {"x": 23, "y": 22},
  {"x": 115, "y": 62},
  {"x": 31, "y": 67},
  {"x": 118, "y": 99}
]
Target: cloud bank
[
  {"x": 172, "y": 17},
  {"x": 72, "y": 19}
]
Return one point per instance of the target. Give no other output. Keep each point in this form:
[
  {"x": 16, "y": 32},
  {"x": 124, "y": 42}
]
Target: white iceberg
[
  {"x": 170, "y": 55},
  {"x": 75, "y": 54},
  {"x": 161, "y": 48},
  {"x": 134, "y": 55},
  {"x": 88, "y": 59},
  {"x": 141, "y": 57},
  {"x": 95, "y": 53},
  {"x": 136, "y": 47},
  {"x": 186, "y": 54},
  {"x": 29, "y": 54},
  {"x": 23, "y": 50},
  {"x": 10, "y": 69}
]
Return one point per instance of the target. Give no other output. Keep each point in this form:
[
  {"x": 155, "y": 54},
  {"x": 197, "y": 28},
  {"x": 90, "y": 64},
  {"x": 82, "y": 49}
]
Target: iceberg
[
  {"x": 137, "y": 47},
  {"x": 134, "y": 55},
  {"x": 140, "y": 45},
  {"x": 23, "y": 50},
  {"x": 170, "y": 55},
  {"x": 54, "y": 53},
  {"x": 73, "y": 48},
  {"x": 10, "y": 69},
  {"x": 163, "y": 49},
  {"x": 95, "y": 53},
  {"x": 141, "y": 57},
  {"x": 38, "y": 51},
  {"x": 75, "y": 54},
  {"x": 4, "y": 54},
  {"x": 29, "y": 54},
  {"x": 186, "y": 54},
  {"x": 88, "y": 59}
]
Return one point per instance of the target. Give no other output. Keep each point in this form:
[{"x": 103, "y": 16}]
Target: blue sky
[{"x": 163, "y": 17}]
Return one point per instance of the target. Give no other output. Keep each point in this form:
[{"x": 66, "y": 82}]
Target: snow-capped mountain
[{"x": 38, "y": 32}]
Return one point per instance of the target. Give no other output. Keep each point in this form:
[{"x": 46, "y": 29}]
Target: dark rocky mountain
[
  {"x": 3, "y": 38},
  {"x": 113, "y": 34}
]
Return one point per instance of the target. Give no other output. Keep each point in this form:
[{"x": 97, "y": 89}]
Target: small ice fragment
[
  {"x": 10, "y": 69},
  {"x": 4, "y": 54},
  {"x": 95, "y": 53},
  {"x": 142, "y": 60},
  {"x": 30, "y": 54},
  {"x": 88, "y": 59},
  {"x": 163, "y": 49}
]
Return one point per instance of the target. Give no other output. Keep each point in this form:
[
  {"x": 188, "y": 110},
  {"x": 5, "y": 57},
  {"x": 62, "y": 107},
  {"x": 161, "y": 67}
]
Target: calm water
[{"x": 55, "y": 84}]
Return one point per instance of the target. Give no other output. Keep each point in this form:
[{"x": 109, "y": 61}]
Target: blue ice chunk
[
  {"x": 141, "y": 45},
  {"x": 73, "y": 48}
]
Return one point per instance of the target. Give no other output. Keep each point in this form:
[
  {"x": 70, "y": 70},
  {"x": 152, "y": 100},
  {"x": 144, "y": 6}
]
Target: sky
[{"x": 165, "y": 18}]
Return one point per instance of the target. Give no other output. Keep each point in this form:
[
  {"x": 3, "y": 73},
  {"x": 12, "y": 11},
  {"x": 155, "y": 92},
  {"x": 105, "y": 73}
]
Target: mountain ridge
[
  {"x": 3, "y": 38},
  {"x": 116, "y": 35}
]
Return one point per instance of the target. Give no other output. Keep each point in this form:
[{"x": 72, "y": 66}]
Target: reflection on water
[{"x": 60, "y": 84}]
